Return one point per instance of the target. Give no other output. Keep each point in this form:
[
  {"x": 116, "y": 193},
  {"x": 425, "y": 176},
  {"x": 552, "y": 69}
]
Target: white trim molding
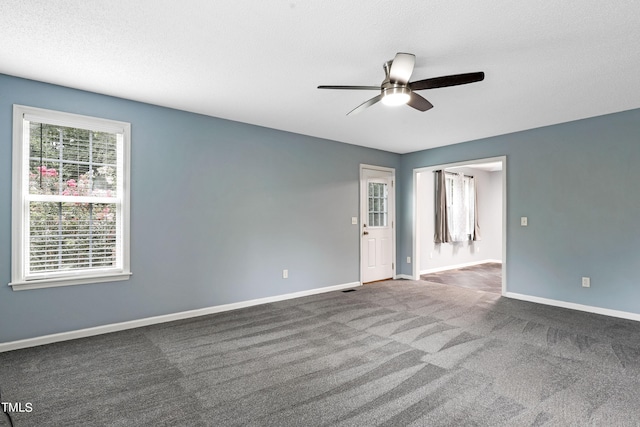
[
  {"x": 84, "y": 280},
  {"x": 115, "y": 327},
  {"x": 573, "y": 306}
]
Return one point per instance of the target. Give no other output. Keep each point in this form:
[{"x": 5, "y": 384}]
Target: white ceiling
[
  {"x": 488, "y": 167},
  {"x": 260, "y": 62}
]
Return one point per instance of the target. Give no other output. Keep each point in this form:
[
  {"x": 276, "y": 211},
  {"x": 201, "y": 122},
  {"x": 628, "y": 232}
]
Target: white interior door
[{"x": 377, "y": 201}]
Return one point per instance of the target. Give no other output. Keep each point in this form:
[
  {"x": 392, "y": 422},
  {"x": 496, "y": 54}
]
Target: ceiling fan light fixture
[
  {"x": 397, "y": 89},
  {"x": 396, "y": 96}
]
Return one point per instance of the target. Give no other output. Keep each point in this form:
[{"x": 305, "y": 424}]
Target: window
[
  {"x": 378, "y": 204},
  {"x": 460, "y": 206},
  {"x": 70, "y": 218}
]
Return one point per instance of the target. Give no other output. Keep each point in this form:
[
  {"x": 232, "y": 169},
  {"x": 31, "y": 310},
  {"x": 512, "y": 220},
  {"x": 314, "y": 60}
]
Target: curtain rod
[{"x": 453, "y": 173}]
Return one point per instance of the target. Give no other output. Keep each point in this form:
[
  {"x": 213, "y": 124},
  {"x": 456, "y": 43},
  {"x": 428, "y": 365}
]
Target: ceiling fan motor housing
[{"x": 395, "y": 94}]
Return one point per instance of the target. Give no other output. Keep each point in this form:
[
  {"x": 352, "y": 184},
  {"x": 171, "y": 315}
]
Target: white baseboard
[
  {"x": 114, "y": 327},
  {"x": 573, "y": 306},
  {"x": 456, "y": 266},
  {"x": 404, "y": 276}
]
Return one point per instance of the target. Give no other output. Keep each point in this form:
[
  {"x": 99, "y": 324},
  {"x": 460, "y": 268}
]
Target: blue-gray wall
[
  {"x": 218, "y": 210},
  {"x": 578, "y": 184}
]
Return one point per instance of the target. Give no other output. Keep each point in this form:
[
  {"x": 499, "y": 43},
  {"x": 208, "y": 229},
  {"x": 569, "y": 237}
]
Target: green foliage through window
[{"x": 72, "y": 163}]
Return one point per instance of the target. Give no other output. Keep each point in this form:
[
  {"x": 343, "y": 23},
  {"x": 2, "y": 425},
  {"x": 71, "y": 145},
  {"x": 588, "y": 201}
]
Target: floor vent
[{"x": 349, "y": 290}]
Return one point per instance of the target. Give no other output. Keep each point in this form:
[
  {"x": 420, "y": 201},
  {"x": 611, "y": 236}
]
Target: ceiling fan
[{"x": 396, "y": 89}]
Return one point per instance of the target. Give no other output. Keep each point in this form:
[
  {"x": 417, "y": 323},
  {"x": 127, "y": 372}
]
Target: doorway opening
[{"x": 479, "y": 261}]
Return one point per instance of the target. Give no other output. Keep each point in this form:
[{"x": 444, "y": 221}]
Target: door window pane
[{"x": 377, "y": 208}]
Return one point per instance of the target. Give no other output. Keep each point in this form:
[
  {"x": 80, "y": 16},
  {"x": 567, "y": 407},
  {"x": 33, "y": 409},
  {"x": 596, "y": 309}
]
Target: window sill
[{"x": 68, "y": 281}]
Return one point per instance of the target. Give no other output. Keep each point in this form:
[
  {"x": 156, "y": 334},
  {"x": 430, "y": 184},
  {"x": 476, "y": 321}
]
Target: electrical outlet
[
  {"x": 285, "y": 274},
  {"x": 586, "y": 282},
  {"x": 408, "y": 260}
]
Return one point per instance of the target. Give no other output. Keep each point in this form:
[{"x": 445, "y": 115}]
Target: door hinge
[{"x": 393, "y": 265}]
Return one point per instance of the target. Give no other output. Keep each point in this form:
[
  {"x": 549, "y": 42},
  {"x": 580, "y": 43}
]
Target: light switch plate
[
  {"x": 524, "y": 221},
  {"x": 354, "y": 220}
]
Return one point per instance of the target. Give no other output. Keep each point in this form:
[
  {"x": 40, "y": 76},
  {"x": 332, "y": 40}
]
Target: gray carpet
[
  {"x": 397, "y": 353},
  {"x": 483, "y": 277}
]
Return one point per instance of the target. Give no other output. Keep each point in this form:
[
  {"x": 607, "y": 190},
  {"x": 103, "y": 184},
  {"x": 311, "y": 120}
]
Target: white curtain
[
  {"x": 461, "y": 207},
  {"x": 458, "y": 211}
]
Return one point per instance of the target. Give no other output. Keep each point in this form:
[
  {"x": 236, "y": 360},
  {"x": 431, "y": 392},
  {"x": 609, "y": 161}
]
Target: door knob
[{"x": 364, "y": 233}]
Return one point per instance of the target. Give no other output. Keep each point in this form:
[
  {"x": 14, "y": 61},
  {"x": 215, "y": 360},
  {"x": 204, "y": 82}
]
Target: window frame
[{"x": 22, "y": 115}]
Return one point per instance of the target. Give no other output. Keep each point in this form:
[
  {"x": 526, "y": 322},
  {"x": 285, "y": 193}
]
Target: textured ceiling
[{"x": 260, "y": 62}]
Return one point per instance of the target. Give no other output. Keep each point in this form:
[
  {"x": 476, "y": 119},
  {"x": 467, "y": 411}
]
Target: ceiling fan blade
[
  {"x": 365, "y": 105},
  {"x": 453, "y": 80},
  {"x": 402, "y": 68},
  {"x": 351, "y": 87},
  {"x": 419, "y": 103}
]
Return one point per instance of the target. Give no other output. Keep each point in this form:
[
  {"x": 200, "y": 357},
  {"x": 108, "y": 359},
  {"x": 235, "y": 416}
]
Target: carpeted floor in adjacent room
[
  {"x": 396, "y": 353},
  {"x": 483, "y": 277}
]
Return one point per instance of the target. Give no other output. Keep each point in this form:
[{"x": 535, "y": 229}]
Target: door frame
[
  {"x": 363, "y": 214},
  {"x": 416, "y": 212}
]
